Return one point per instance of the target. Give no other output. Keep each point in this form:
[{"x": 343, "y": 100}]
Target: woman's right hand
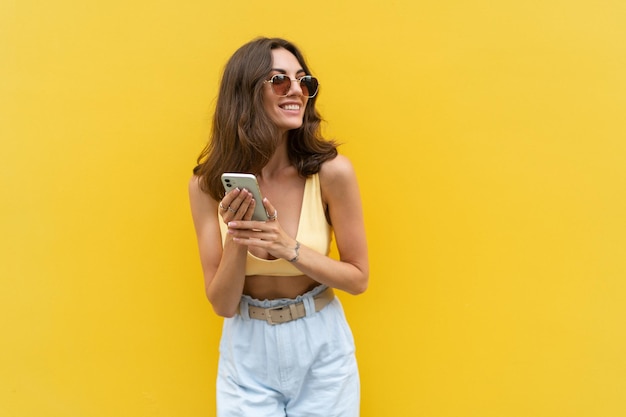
[{"x": 237, "y": 204}]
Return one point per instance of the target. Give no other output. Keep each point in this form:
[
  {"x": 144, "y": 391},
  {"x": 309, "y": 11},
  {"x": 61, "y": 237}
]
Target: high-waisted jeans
[{"x": 304, "y": 367}]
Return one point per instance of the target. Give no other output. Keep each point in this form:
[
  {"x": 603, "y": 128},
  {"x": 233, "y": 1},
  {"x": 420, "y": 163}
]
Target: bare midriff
[{"x": 264, "y": 287}]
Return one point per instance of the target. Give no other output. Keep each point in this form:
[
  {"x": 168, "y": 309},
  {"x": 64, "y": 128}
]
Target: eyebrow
[{"x": 282, "y": 71}]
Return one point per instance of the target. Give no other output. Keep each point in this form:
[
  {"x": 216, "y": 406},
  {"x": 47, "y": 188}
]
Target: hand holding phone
[{"x": 232, "y": 180}]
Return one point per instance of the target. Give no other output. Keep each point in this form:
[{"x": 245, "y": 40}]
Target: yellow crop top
[{"x": 313, "y": 232}]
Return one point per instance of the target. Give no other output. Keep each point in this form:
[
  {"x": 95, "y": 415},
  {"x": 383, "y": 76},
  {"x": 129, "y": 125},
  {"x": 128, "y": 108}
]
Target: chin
[{"x": 290, "y": 126}]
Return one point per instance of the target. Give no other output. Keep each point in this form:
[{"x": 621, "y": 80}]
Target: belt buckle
[{"x": 268, "y": 314}]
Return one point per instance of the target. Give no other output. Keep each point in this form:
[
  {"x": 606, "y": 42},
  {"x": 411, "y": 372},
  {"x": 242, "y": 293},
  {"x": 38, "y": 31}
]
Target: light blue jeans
[{"x": 304, "y": 367}]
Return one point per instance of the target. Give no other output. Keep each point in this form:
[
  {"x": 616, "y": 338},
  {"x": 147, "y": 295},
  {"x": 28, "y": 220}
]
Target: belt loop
[
  {"x": 294, "y": 311},
  {"x": 309, "y": 305},
  {"x": 243, "y": 310}
]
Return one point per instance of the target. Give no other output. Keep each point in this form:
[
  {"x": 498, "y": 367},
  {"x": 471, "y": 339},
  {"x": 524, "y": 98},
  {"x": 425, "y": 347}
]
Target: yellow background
[{"x": 489, "y": 139}]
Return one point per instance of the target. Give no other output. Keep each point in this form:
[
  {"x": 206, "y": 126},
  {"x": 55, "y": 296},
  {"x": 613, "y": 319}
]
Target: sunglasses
[{"x": 281, "y": 84}]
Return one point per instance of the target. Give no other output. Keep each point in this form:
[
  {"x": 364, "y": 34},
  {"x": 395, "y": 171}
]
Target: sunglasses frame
[{"x": 299, "y": 80}]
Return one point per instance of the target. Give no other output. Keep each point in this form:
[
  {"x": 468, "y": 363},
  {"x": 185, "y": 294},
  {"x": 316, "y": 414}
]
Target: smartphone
[{"x": 232, "y": 180}]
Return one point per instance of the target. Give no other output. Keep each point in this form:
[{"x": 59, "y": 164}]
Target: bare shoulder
[
  {"x": 194, "y": 185},
  {"x": 337, "y": 169},
  {"x": 197, "y": 197},
  {"x": 338, "y": 179}
]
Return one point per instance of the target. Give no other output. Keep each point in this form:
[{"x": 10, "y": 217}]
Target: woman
[{"x": 286, "y": 349}]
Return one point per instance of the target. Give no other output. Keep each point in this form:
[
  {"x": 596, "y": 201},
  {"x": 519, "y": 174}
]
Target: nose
[{"x": 295, "y": 88}]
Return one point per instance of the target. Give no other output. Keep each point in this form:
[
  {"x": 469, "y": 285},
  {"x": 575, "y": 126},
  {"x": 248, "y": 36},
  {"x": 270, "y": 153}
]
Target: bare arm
[
  {"x": 340, "y": 191},
  {"x": 223, "y": 269}
]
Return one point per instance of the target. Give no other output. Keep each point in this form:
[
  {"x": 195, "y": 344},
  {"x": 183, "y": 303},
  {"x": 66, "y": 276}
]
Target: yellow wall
[{"x": 489, "y": 139}]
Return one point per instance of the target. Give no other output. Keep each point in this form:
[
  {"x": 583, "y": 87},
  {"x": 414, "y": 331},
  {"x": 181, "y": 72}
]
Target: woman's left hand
[{"x": 268, "y": 235}]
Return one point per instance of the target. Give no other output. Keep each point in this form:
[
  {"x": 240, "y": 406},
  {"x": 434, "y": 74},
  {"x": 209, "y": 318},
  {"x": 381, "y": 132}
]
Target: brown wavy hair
[{"x": 243, "y": 138}]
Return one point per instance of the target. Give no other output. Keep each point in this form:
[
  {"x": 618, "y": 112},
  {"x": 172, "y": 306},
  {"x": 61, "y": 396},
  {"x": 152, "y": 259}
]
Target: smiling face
[{"x": 286, "y": 112}]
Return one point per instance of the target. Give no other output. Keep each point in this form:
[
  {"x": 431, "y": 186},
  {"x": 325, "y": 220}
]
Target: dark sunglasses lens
[
  {"x": 281, "y": 84},
  {"x": 308, "y": 85}
]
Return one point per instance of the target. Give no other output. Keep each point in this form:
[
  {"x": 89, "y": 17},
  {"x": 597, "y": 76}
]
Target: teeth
[{"x": 291, "y": 107}]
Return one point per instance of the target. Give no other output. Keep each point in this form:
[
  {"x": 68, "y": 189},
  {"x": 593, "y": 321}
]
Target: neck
[{"x": 278, "y": 162}]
